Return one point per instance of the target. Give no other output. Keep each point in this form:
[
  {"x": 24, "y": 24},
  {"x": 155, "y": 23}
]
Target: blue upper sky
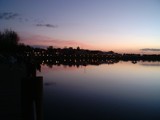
[{"x": 94, "y": 24}]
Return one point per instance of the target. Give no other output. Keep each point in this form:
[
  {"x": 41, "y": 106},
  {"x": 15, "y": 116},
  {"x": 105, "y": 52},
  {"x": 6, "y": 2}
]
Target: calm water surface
[{"x": 123, "y": 91}]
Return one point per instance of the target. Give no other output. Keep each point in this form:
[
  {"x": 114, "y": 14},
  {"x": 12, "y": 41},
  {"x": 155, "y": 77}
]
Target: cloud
[
  {"x": 23, "y": 19},
  {"x": 150, "y": 49},
  {"x": 150, "y": 64},
  {"x": 13, "y": 16},
  {"x": 8, "y": 15},
  {"x": 46, "y": 25}
]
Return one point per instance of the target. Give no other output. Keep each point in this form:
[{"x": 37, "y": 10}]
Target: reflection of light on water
[{"x": 123, "y": 80}]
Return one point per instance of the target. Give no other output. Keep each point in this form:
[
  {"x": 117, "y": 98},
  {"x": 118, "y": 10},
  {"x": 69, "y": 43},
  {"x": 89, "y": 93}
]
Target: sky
[{"x": 118, "y": 25}]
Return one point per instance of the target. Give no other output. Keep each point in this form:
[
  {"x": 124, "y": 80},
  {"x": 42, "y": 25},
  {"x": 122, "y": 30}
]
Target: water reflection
[
  {"x": 86, "y": 62},
  {"x": 118, "y": 91}
]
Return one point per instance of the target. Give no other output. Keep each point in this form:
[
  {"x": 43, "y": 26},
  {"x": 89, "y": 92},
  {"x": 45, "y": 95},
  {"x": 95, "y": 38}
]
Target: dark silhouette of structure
[{"x": 31, "y": 95}]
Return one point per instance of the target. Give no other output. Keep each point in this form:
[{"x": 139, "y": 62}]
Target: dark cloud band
[
  {"x": 20, "y": 18},
  {"x": 46, "y": 25},
  {"x": 150, "y": 49},
  {"x": 8, "y": 15}
]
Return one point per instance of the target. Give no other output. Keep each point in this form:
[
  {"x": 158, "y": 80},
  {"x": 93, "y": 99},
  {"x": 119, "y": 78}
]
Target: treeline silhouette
[{"x": 10, "y": 46}]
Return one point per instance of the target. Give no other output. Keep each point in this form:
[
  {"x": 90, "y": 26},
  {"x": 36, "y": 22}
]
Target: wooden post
[{"x": 32, "y": 98}]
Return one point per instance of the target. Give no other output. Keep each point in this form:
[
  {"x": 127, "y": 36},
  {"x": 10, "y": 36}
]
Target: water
[{"x": 121, "y": 91}]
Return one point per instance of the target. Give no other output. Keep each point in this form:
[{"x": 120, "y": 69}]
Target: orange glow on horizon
[{"x": 125, "y": 47}]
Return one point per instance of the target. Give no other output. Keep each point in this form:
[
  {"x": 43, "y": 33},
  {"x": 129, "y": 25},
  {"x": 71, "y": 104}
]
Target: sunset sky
[{"x": 118, "y": 25}]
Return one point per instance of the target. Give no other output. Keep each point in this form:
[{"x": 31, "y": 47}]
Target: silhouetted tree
[
  {"x": 9, "y": 37},
  {"x": 70, "y": 48},
  {"x": 50, "y": 48},
  {"x": 8, "y": 41},
  {"x": 78, "y": 48}
]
